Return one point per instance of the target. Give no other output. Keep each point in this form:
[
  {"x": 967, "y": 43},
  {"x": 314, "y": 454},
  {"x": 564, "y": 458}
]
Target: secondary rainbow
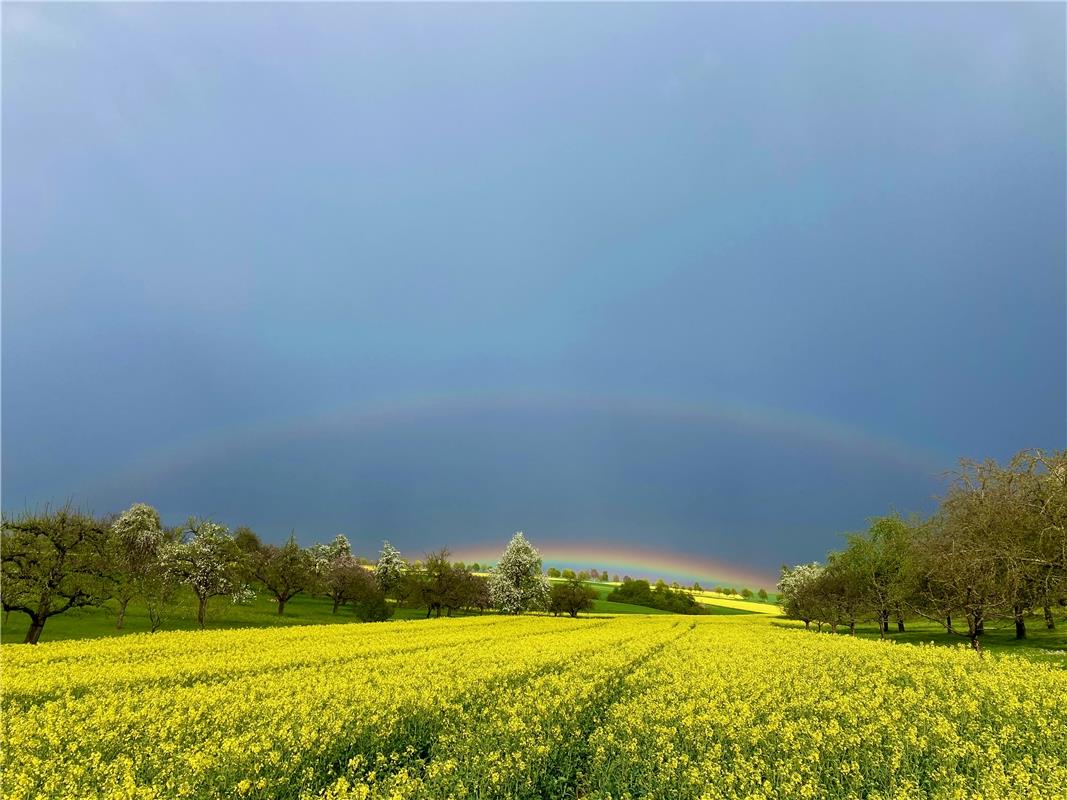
[{"x": 262, "y": 435}]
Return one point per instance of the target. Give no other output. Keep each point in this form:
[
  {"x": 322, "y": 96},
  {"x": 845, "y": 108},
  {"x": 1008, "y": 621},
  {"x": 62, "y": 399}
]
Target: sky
[{"x": 715, "y": 282}]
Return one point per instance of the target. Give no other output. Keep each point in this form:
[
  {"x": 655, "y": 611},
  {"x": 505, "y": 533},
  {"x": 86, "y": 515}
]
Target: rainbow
[{"x": 637, "y": 562}]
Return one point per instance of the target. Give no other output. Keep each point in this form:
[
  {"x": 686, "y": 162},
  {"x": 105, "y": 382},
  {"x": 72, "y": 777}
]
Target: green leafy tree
[
  {"x": 247, "y": 540},
  {"x": 51, "y": 562},
  {"x": 571, "y": 597},
  {"x": 284, "y": 571}
]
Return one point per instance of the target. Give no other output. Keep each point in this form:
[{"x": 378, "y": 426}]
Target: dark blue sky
[{"x": 721, "y": 279}]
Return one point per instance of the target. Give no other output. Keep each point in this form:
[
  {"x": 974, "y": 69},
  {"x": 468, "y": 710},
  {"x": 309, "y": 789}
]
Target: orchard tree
[
  {"x": 284, "y": 571},
  {"x": 571, "y": 597},
  {"x": 390, "y": 569},
  {"x": 959, "y": 564},
  {"x": 1043, "y": 556},
  {"x": 762, "y": 594},
  {"x": 51, "y": 561},
  {"x": 880, "y": 556},
  {"x": 136, "y": 539},
  {"x": 210, "y": 562},
  {"x": 344, "y": 579},
  {"x": 516, "y": 584},
  {"x": 247, "y": 540},
  {"x": 797, "y": 591}
]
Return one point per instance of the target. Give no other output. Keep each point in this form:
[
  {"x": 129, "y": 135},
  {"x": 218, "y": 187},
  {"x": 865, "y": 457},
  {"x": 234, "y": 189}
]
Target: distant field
[
  {"x": 527, "y": 707},
  {"x": 749, "y": 606}
]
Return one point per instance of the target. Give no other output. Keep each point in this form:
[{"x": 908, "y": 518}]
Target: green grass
[
  {"x": 611, "y": 607},
  {"x": 262, "y": 612},
  {"x": 91, "y": 623},
  {"x": 999, "y": 636}
]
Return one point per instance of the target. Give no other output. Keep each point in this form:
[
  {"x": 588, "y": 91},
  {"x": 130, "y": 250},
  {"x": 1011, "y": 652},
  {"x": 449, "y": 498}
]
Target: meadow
[
  {"x": 260, "y": 612},
  {"x": 657, "y": 706}
]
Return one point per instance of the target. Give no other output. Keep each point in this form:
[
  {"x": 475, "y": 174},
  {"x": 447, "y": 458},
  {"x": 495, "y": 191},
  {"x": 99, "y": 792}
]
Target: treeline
[
  {"x": 994, "y": 552},
  {"x": 663, "y": 597},
  {"x": 56, "y": 560},
  {"x": 602, "y": 575}
]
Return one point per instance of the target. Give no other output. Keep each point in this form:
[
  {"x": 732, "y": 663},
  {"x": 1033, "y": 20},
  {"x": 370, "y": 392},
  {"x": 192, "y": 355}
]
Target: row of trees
[
  {"x": 53, "y": 561},
  {"x": 56, "y": 560},
  {"x": 995, "y": 551}
]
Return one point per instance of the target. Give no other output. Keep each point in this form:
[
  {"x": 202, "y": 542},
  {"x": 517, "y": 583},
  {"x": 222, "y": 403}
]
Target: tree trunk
[
  {"x": 1020, "y": 623},
  {"x": 336, "y": 605},
  {"x": 980, "y": 626},
  {"x": 900, "y": 622},
  {"x": 201, "y": 611},
  {"x": 883, "y": 623},
  {"x": 807, "y": 624},
  {"x": 852, "y": 627},
  {"x": 122, "y": 613},
  {"x": 281, "y": 606},
  {"x": 33, "y": 635},
  {"x": 1050, "y": 622},
  {"x": 948, "y": 623},
  {"x": 833, "y": 627}
]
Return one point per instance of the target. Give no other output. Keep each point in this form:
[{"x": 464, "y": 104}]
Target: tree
[
  {"x": 553, "y": 572},
  {"x": 1039, "y": 548},
  {"x": 284, "y": 571},
  {"x": 439, "y": 585},
  {"x": 51, "y": 561},
  {"x": 390, "y": 569},
  {"x": 247, "y": 540},
  {"x": 571, "y": 597},
  {"x": 797, "y": 590},
  {"x": 569, "y": 574},
  {"x": 697, "y": 587},
  {"x": 879, "y": 555},
  {"x": 746, "y": 593},
  {"x": 762, "y": 594},
  {"x": 959, "y": 566},
  {"x": 210, "y": 562},
  {"x": 516, "y": 584},
  {"x": 615, "y": 578},
  {"x": 476, "y": 593},
  {"x": 344, "y": 579},
  {"x": 838, "y": 591},
  {"x": 135, "y": 540}
]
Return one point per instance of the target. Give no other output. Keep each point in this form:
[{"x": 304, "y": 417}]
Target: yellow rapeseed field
[{"x": 656, "y": 707}]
